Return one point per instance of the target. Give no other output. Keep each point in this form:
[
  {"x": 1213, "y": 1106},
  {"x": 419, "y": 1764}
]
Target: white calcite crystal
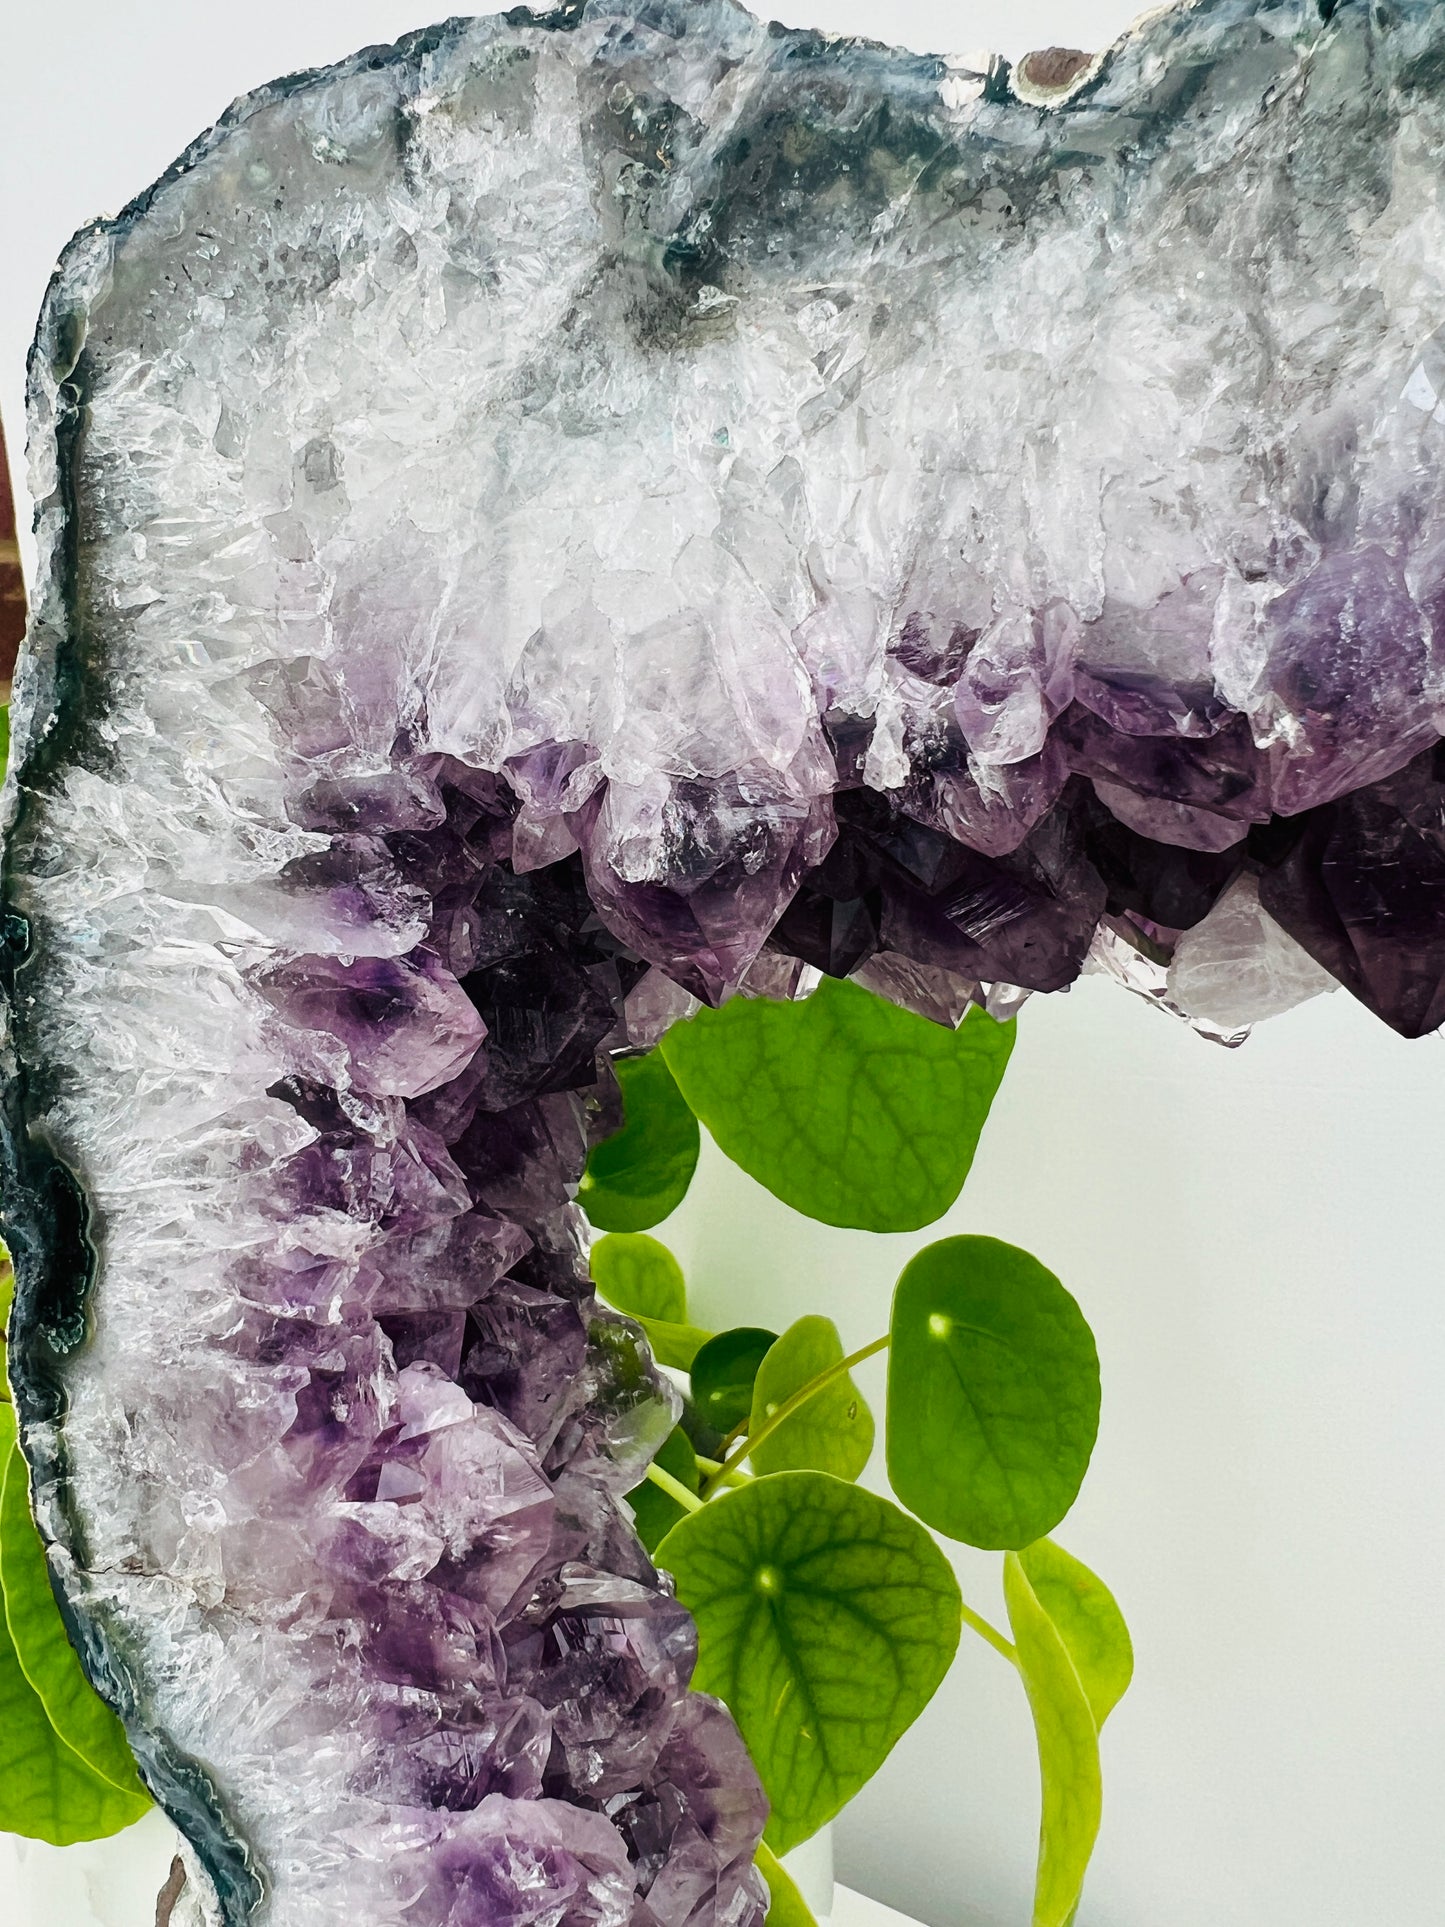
[
  {"x": 570, "y": 515},
  {"x": 1238, "y": 966}
]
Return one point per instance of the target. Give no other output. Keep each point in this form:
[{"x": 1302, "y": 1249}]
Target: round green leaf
[
  {"x": 1068, "y": 1743},
  {"x": 1086, "y": 1617},
  {"x": 641, "y": 1173},
  {"x": 640, "y": 1276},
  {"x": 993, "y": 1393},
  {"x": 50, "y": 1790},
  {"x": 656, "y": 1512},
  {"x": 833, "y": 1431},
  {"x": 705, "y": 1438},
  {"x": 845, "y": 1107},
  {"x": 675, "y": 1345},
  {"x": 46, "y": 1791},
  {"x": 723, "y": 1372},
  {"x": 826, "y": 1619},
  {"x": 47, "y": 1658}
]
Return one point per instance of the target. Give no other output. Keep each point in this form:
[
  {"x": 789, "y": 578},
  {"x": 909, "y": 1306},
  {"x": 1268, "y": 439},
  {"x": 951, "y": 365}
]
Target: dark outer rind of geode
[
  {"x": 49, "y": 1229},
  {"x": 1009, "y": 773}
]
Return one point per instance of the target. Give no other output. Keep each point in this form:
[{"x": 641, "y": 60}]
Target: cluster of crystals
[
  {"x": 576, "y": 514},
  {"x": 441, "y": 1513},
  {"x": 364, "y": 1428}
]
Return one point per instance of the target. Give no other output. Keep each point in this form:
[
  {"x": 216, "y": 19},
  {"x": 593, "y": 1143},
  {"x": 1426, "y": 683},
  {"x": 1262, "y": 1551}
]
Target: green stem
[
  {"x": 714, "y": 1468},
  {"x": 995, "y": 1638},
  {"x": 675, "y": 1489},
  {"x": 730, "y": 1472},
  {"x": 786, "y": 1410}
]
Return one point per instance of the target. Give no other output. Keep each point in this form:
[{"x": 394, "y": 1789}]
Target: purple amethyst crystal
[{"x": 568, "y": 515}]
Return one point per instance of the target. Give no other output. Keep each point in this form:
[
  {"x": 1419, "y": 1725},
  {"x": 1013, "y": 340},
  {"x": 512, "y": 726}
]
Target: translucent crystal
[
  {"x": 1238, "y": 966},
  {"x": 570, "y": 516}
]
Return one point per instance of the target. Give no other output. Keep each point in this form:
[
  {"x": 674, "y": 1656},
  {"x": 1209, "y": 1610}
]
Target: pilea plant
[{"x": 827, "y": 1615}]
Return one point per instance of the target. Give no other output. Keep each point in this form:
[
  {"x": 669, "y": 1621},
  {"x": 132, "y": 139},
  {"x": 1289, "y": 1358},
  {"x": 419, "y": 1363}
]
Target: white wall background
[{"x": 1253, "y": 1235}]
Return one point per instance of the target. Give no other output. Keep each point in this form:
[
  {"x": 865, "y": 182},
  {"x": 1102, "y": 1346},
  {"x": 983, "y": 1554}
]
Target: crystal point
[{"x": 572, "y": 516}]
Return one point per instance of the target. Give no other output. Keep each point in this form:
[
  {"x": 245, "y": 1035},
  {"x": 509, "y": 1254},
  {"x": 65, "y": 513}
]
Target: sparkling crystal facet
[{"x": 571, "y": 516}]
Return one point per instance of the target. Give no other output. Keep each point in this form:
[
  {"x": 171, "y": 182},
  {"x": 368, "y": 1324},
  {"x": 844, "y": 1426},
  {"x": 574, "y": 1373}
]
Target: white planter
[
  {"x": 811, "y": 1866},
  {"x": 106, "y": 1883}
]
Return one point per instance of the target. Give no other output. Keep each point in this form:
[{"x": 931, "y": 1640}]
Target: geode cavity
[{"x": 570, "y": 513}]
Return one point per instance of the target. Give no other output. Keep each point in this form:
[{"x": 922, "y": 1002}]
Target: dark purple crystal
[{"x": 569, "y": 515}]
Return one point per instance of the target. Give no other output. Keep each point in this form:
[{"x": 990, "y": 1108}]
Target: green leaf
[
  {"x": 1087, "y": 1618},
  {"x": 47, "y": 1658},
  {"x": 845, "y": 1107},
  {"x": 4, "y": 737},
  {"x": 826, "y": 1619},
  {"x": 656, "y": 1511},
  {"x": 1068, "y": 1742},
  {"x": 48, "y": 1790},
  {"x": 723, "y": 1372},
  {"x": 705, "y": 1438},
  {"x": 675, "y": 1345},
  {"x": 786, "y": 1905},
  {"x": 640, "y": 1276},
  {"x": 993, "y": 1393},
  {"x": 833, "y": 1431},
  {"x": 7, "y": 1299},
  {"x": 641, "y": 1173}
]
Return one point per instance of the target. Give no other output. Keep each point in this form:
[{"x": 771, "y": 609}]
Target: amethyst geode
[{"x": 569, "y": 514}]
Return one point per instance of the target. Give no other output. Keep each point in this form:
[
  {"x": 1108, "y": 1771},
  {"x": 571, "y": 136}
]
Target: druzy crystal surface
[{"x": 568, "y": 515}]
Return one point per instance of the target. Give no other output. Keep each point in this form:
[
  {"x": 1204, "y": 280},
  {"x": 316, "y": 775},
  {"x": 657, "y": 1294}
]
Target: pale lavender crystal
[
  {"x": 531, "y": 1861},
  {"x": 567, "y": 517},
  {"x": 405, "y": 1026}
]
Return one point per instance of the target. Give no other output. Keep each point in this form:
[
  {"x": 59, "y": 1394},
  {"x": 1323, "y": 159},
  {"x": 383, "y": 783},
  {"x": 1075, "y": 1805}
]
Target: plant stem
[
  {"x": 674, "y": 1488},
  {"x": 995, "y": 1638},
  {"x": 786, "y": 1410},
  {"x": 714, "y": 1468},
  {"x": 730, "y": 1472}
]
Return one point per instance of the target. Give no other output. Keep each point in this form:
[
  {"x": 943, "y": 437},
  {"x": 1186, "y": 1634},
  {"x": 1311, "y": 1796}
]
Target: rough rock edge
[{"x": 54, "y": 1267}]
